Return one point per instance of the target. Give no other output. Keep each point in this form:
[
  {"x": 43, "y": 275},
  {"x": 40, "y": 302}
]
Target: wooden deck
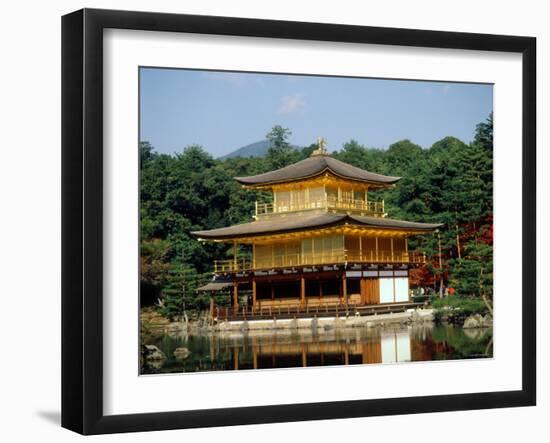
[{"x": 290, "y": 312}]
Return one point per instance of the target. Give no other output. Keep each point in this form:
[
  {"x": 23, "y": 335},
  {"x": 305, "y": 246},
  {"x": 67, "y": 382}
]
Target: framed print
[{"x": 304, "y": 221}]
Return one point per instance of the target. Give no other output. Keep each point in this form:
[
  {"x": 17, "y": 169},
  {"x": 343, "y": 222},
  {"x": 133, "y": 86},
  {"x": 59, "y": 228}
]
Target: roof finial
[{"x": 321, "y": 147}]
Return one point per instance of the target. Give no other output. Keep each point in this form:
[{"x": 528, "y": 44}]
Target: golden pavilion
[{"x": 320, "y": 247}]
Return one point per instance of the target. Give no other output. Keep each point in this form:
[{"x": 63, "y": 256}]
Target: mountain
[{"x": 256, "y": 149}]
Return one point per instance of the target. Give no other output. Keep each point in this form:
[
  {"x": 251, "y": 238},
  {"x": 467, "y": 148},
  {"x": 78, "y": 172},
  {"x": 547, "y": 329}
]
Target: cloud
[{"x": 290, "y": 104}]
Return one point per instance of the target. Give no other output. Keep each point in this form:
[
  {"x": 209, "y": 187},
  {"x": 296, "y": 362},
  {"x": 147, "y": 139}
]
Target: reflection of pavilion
[{"x": 287, "y": 350}]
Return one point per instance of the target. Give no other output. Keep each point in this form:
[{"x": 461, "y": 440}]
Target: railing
[
  {"x": 382, "y": 256},
  {"x": 309, "y": 259},
  {"x": 369, "y": 207},
  {"x": 223, "y": 266},
  {"x": 374, "y": 207}
]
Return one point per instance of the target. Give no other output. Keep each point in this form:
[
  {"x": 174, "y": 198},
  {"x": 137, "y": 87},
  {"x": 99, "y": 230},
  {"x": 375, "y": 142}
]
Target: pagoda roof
[
  {"x": 215, "y": 286},
  {"x": 314, "y": 166},
  {"x": 281, "y": 225}
]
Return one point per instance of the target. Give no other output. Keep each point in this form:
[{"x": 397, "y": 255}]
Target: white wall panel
[
  {"x": 386, "y": 290},
  {"x": 401, "y": 289}
]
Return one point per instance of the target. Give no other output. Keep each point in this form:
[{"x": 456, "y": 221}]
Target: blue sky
[{"x": 223, "y": 111}]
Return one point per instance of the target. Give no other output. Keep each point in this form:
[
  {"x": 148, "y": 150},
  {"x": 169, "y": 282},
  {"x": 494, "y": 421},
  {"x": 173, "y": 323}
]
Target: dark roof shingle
[
  {"x": 315, "y": 165},
  {"x": 281, "y": 225}
]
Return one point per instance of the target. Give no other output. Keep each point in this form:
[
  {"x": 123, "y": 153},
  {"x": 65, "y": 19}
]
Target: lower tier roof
[{"x": 282, "y": 225}]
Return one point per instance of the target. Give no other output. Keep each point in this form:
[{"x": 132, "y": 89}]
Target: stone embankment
[{"x": 413, "y": 316}]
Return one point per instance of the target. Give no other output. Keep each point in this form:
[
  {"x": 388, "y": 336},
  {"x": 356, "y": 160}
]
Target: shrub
[{"x": 456, "y": 309}]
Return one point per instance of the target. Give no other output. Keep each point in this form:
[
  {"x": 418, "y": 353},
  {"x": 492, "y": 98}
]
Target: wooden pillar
[
  {"x": 235, "y": 296},
  {"x": 362, "y": 288},
  {"x": 304, "y": 356},
  {"x": 391, "y": 249},
  {"x": 253, "y": 292},
  {"x": 302, "y": 290},
  {"x": 376, "y": 241},
  {"x": 254, "y": 256},
  {"x": 234, "y": 256},
  {"x": 211, "y": 308}
]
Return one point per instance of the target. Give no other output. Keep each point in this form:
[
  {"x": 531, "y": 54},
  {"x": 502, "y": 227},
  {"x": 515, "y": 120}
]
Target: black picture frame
[{"x": 82, "y": 218}]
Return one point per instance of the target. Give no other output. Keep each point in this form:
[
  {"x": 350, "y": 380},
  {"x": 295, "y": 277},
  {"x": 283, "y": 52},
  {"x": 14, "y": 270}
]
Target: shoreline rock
[
  {"x": 478, "y": 321},
  {"x": 153, "y": 354}
]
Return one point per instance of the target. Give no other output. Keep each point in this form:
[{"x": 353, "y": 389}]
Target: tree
[
  {"x": 154, "y": 268},
  {"x": 146, "y": 153},
  {"x": 473, "y": 275},
  {"x": 484, "y": 133},
  {"x": 280, "y": 153}
]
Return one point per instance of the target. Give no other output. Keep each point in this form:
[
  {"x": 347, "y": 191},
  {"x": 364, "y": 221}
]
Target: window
[
  {"x": 282, "y": 200},
  {"x": 352, "y": 247},
  {"x": 399, "y": 244},
  {"x": 316, "y": 197},
  {"x": 298, "y": 199},
  {"x": 347, "y": 196},
  {"x": 332, "y": 193},
  {"x": 323, "y": 249},
  {"x": 263, "y": 256},
  {"x": 359, "y": 195}
]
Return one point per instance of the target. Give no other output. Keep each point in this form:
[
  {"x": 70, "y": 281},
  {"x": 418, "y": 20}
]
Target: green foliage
[
  {"x": 280, "y": 152},
  {"x": 455, "y": 309},
  {"x": 473, "y": 274},
  {"x": 179, "y": 294},
  {"x": 450, "y": 182},
  {"x": 467, "y": 306}
]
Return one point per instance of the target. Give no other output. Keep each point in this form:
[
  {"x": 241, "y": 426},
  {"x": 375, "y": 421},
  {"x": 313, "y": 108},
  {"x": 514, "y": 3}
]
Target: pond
[{"x": 288, "y": 348}]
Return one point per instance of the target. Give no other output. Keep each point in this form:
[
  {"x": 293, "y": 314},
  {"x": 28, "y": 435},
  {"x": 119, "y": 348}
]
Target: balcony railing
[
  {"x": 367, "y": 207},
  {"x": 310, "y": 259},
  {"x": 223, "y": 266}
]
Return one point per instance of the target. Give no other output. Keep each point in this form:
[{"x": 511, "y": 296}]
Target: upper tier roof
[
  {"x": 307, "y": 222},
  {"x": 313, "y": 166}
]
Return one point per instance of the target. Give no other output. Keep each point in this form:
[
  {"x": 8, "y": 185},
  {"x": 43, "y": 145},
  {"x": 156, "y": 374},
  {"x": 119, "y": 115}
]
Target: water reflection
[{"x": 221, "y": 351}]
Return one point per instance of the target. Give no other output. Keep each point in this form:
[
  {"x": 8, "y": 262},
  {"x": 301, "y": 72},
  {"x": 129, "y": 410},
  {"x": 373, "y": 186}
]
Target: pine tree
[{"x": 280, "y": 152}]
